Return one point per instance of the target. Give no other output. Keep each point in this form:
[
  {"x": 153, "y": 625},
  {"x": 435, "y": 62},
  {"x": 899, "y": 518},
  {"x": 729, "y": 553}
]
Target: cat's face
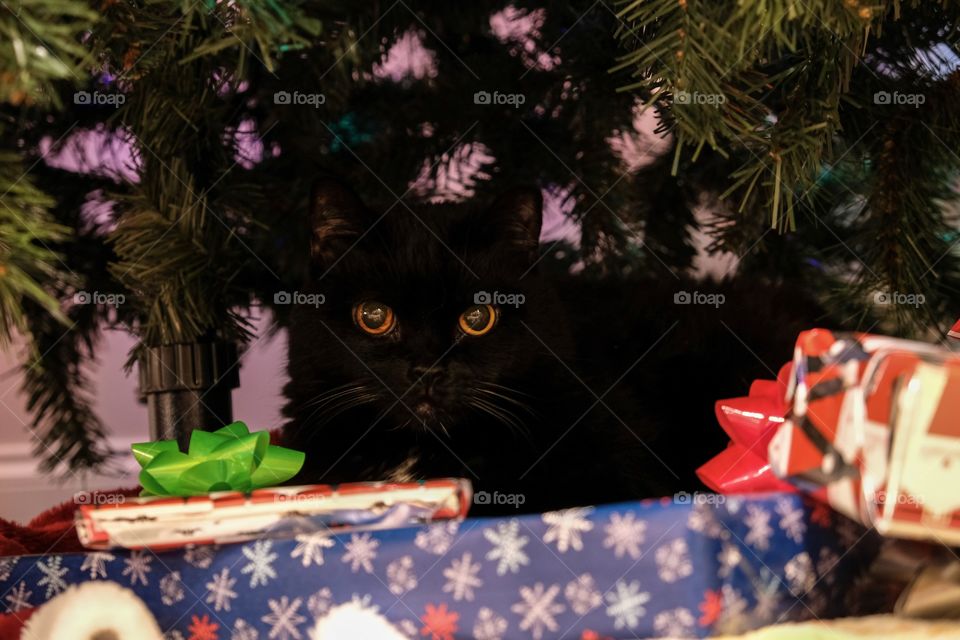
[{"x": 424, "y": 311}]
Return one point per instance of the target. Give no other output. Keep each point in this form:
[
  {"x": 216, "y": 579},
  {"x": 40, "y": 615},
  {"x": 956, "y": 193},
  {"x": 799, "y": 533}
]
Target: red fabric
[
  {"x": 50, "y": 532},
  {"x": 11, "y": 624},
  {"x": 53, "y": 531}
]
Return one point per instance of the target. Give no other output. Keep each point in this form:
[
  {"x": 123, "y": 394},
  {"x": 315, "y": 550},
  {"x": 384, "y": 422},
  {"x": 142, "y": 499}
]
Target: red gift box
[
  {"x": 868, "y": 424},
  {"x": 232, "y": 516}
]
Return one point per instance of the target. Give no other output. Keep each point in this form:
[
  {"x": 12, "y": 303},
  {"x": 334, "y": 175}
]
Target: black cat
[{"x": 440, "y": 350}]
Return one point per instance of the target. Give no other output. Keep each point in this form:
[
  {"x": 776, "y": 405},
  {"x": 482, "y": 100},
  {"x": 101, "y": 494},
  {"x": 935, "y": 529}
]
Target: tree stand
[{"x": 188, "y": 386}]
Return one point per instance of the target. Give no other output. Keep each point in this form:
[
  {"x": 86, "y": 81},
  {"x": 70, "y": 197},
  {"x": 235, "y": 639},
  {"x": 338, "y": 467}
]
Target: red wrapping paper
[{"x": 868, "y": 424}]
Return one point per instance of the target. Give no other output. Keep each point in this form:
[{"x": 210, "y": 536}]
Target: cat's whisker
[
  {"x": 336, "y": 398},
  {"x": 501, "y": 414},
  {"x": 343, "y": 404},
  {"x": 335, "y": 392},
  {"x": 523, "y": 405},
  {"x": 355, "y": 401},
  {"x": 494, "y": 385},
  {"x": 402, "y": 425}
]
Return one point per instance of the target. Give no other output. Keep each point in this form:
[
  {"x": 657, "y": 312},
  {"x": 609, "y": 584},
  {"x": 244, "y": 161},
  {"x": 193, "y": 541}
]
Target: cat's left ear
[{"x": 519, "y": 215}]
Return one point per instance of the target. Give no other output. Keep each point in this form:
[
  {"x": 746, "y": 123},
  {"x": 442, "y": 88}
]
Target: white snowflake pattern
[
  {"x": 703, "y": 519},
  {"x": 768, "y": 601},
  {"x": 825, "y": 565},
  {"x": 53, "y": 573},
  {"x": 320, "y": 602},
  {"x": 767, "y": 594},
  {"x": 800, "y": 574},
  {"x": 729, "y": 557},
  {"x": 6, "y": 568},
  {"x": 220, "y": 590},
  {"x": 626, "y": 604},
  {"x": 171, "y": 588},
  {"x": 138, "y": 566},
  {"x": 400, "y": 575},
  {"x": 283, "y": 618},
  {"x": 758, "y": 523},
  {"x": 566, "y": 528},
  {"x": 310, "y": 548},
  {"x": 791, "y": 520},
  {"x": 625, "y": 534},
  {"x": 673, "y": 560},
  {"x": 96, "y": 563},
  {"x": 173, "y": 634},
  {"x": 200, "y": 557},
  {"x": 733, "y": 504},
  {"x": 848, "y": 532},
  {"x": 489, "y": 625},
  {"x": 734, "y": 604},
  {"x": 365, "y": 601},
  {"x": 261, "y": 560},
  {"x": 538, "y": 609},
  {"x": 409, "y": 628},
  {"x": 243, "y": 631},
  {"x": 508, "y": 547},
  {"x": 462, "y": 577},
  {"x": 674, "y": 623},
  {"x": 437, "y": 538},
  {"x": 18, "y": 598},
  {"x": 361, "y": 552},
  {"x": 582, "y": 594}
]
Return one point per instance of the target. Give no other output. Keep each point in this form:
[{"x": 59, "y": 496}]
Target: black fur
[{"x": 587, "y": 392}]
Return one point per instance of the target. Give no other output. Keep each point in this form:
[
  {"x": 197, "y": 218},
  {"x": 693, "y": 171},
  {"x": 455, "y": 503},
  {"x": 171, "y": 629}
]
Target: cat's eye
[
  {"x": 373, "y": 317},
  {"x": 478, "y": 319}
]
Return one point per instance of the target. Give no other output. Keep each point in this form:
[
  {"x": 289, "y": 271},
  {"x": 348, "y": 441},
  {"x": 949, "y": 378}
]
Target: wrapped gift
[
  {"x": 690, "y": 566},
  {"x": 232, "y": 516},
  {"x": 868, "y": 424}
]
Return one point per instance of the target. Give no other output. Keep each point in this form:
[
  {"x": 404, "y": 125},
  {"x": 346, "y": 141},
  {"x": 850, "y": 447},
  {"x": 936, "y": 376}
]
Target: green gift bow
[{"x": 228, "y": 459}]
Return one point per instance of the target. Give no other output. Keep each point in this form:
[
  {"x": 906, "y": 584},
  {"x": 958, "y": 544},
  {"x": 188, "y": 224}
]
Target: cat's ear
[
  {"x": 337, "y": 218},
  {"x": 518, "y": 214}
]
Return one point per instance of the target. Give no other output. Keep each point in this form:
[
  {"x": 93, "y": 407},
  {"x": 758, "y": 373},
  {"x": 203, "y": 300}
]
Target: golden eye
[
  {"x": 478, "y": 319},
  {"x": 375, "y": 318}
]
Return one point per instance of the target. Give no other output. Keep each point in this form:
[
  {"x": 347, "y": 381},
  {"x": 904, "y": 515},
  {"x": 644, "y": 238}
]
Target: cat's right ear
[{"x": 337, "y": 219}]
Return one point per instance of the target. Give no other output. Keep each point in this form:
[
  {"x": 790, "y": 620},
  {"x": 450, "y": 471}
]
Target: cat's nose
[{"x": 426, "y": 374}]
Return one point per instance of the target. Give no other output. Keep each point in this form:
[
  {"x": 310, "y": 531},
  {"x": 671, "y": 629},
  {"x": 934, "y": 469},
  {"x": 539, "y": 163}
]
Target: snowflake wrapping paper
[{"x": 632, "y": 570}]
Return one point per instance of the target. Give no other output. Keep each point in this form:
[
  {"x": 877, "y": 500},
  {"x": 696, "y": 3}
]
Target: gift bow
[
  {"x": 228, "y": 459},
  {"x": 751, "y": 422}
]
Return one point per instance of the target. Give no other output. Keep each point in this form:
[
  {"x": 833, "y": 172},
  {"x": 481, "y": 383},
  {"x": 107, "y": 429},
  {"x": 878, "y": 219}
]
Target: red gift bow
[
  {"x": 750, "y": 422},
  {"x": 955, "y": 330}
]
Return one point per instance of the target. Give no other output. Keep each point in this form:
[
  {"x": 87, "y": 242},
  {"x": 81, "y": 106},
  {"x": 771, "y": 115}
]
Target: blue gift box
[{"x": 684, "y": 567}]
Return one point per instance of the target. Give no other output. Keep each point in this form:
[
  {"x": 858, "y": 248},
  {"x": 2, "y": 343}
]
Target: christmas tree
[{"x": 156, "y": 157}]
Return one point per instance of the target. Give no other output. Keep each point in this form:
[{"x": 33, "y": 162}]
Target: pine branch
[
  {"x": 58, "y": 389},
  {"x": 40, "y": 44},
  {"x": 27, "y": 260}
]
